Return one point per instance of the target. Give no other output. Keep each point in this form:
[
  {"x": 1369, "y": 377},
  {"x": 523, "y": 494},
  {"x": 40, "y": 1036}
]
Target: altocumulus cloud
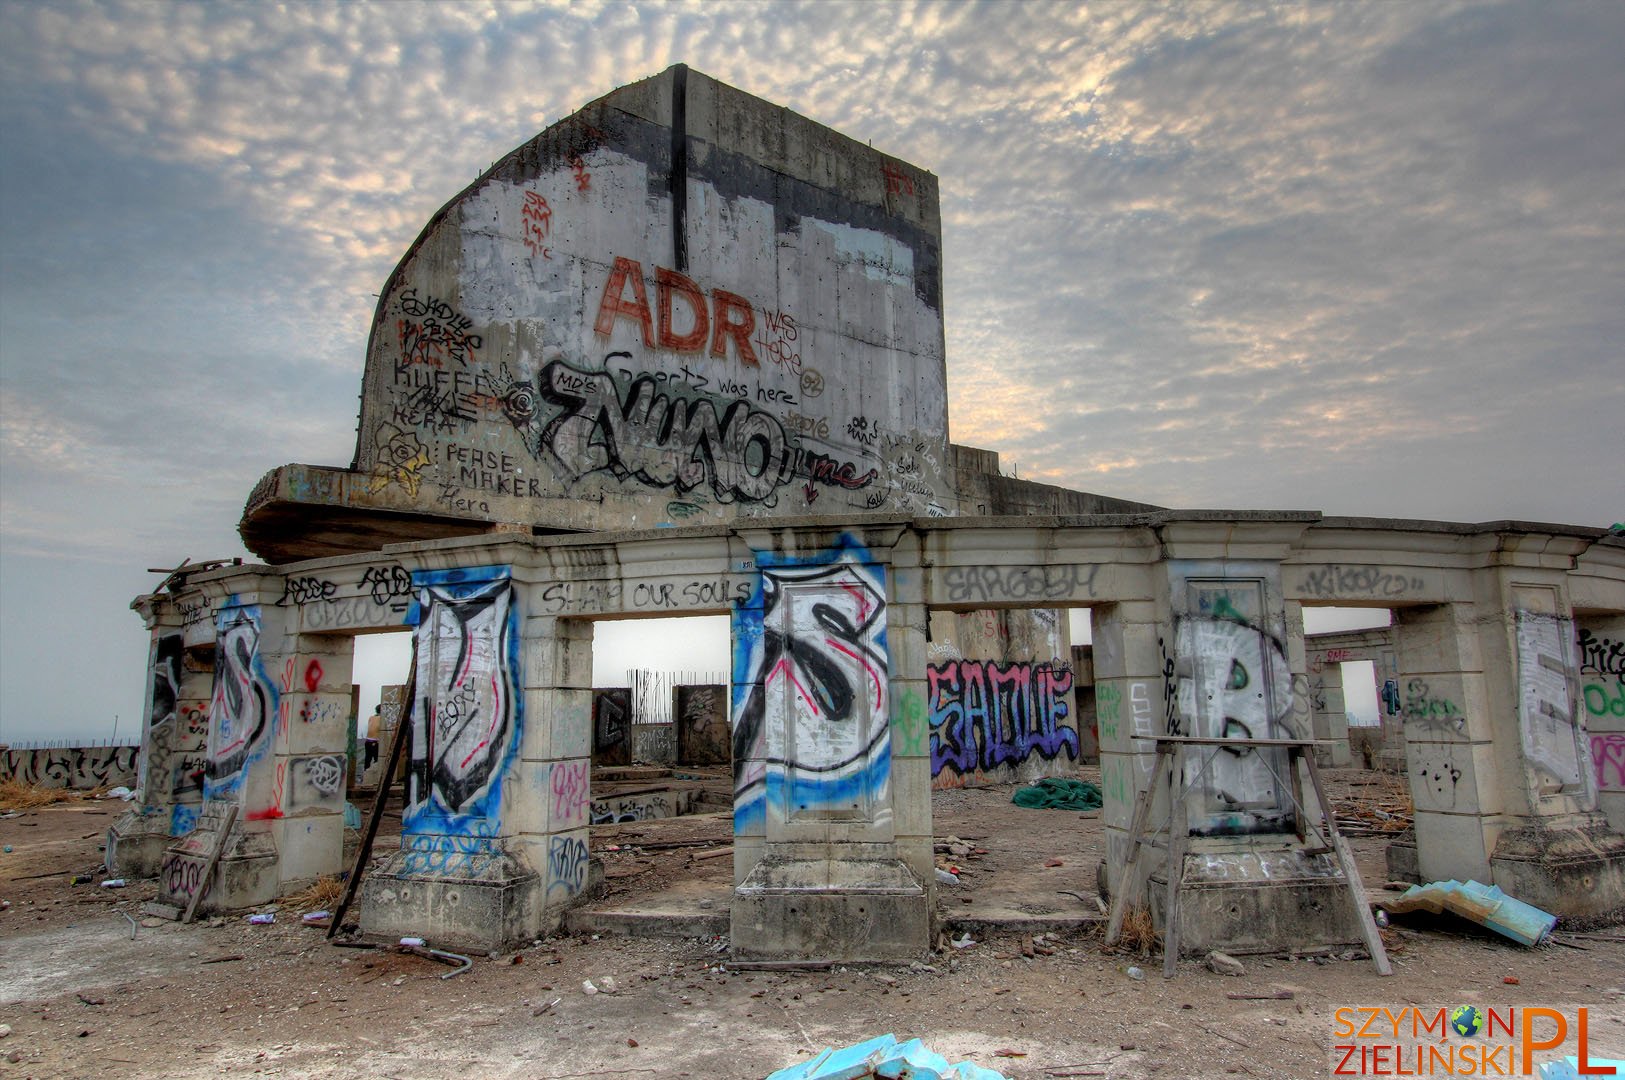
[{"x": 1368, "y": 258}]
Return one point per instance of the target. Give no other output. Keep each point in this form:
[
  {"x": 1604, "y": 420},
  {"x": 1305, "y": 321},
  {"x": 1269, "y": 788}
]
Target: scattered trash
[
  {"x": 945, "y": 878},
  {"x": 352, "y": 816},
  {"x": 413, "y": 942},
  {"x": 120, "y": 792},
  {"x": 631, "y": 1042},
  {"x": 1279, "y": 995},
  {"x": 588, "y": 988},
  {"x": 1510, "y": 980},
  {"x": 1007, "y": 1052},
  {"x": 1134, "y": 972},
  {"x": 5, "y": 1030},
  {"x": 1059, "y": 793},
  {"x": 540, "y": 1009},
  {"x": 1484, "y": 904},
  {"x": 134, "y": 926},
  {"x": 1053, "y": 862},
  {"x": 963, "y": 941},
  {"x": 263, "y": 918},
  {"x": 606, "y": 985},
  {"x": 1381, "y": 917},
  {"x": 8, "y": 849},
  {"x": 884, "y": 1056},
  {"x": 1224, "y": 964},
  {"x": 316, "y": 916},
  {"x": 113, "y": 883}
]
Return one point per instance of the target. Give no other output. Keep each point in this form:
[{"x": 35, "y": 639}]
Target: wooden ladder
[{"x": 1170, "y": 760}]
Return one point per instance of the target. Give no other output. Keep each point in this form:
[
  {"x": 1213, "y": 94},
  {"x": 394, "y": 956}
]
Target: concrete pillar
[
  {"x": 832, "y": 817},
  {"x": 1602, "y": 697},
  {"x": 278, "y": 712},
  {"x": 494, "y": 837},
  {"x": 1130, "y": 708},
  {"x": 1556, "y": 850},
  {"x": 169, "y": 764},
  {"x": 1233, "y": 668},
  {"x": 1450, "y": 760},
  {"x": 1329, "y": 716}
]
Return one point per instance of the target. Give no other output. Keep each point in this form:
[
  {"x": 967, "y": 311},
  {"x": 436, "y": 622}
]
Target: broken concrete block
[{"x": 1225, "y": 964}]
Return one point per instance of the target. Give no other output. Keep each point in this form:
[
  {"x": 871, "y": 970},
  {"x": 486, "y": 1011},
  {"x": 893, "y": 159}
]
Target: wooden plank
[
  {"x": 1216, "y": 740},
  {"x": 161, "y": 910},
  {"x": 1127, "y": 890},
  {"x": 221, "y": 835},
  {"x": 1351, "y": 874},
  {"x": 1178, "y": 837},
  {"x": 365, "y": 851}
]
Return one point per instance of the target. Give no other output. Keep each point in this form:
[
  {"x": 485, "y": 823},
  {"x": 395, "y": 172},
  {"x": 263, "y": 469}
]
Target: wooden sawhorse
[{"x": 1171, "y": 757}]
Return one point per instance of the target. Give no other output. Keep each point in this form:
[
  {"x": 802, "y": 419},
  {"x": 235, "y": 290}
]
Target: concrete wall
[
  {"x": 78, "y": 767},
  {"x": 680, "y": 304}
]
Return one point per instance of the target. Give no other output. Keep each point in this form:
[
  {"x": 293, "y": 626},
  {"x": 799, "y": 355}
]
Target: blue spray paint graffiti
[
  {"x": 811, "y": 735},
  {"x": 468, "y": 713},
  {"x": 243, "y": 710},
  {"x": 987, "y": 715}
]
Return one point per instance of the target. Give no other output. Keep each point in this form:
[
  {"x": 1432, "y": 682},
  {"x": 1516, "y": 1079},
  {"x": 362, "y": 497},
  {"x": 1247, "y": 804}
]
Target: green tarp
[{"x": 1055, "y": 793}]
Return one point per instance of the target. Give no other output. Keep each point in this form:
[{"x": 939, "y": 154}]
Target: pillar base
[
  {"x": 137, "y": 840},
  {"x": 246, "y": 875},
  {"x": 1404, "y": 864},
  {"x": 1576, "y": 873},
  {"x": 1260, "y": 902},
  {"x": 491, "y": 899},
  {"x": 843, "y": 910}
]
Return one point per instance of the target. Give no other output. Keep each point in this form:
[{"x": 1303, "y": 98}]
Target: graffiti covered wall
[
  {"x": 466, "y": 719},
  {"x": 78, "y": 767},
  {"x": 542, "y": 352},
  {"x": 811, "y": 710}
]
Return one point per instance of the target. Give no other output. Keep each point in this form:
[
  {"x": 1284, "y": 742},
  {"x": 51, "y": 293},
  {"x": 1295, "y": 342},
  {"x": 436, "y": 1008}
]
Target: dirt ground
[{"x": 86, "y": 993}]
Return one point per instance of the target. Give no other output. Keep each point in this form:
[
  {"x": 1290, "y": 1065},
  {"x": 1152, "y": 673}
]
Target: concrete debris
[
  {"x": 1486, "y": 905},
  {"x": 884, "y": 1057},
  {"x": 1569, "y": 1068},
  {"x": 1225, "y": 964}
]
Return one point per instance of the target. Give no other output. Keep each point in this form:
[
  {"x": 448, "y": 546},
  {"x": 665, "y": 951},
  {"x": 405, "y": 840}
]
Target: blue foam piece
[{"x": 884, "y": 1058}]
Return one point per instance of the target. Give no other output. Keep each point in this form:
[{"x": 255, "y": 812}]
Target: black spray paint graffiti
[
  {"x": 994, "y": 583},
  {"x": 1602, "y": 655},
  {"x": 566, "y": 864},
  {"x": 1361, "y": 580},
  {"x": 163, "y": 697},
  {"x": 77, "y": 767},
  {"x": 432, "y": 332},
  {"x": 464, "y": 713},
  {"x": 987, "y": 715},
  {"x": 821, "y": 656},
  {"x": 649, "y": 431},
  {"x": 240, "y": 711}
]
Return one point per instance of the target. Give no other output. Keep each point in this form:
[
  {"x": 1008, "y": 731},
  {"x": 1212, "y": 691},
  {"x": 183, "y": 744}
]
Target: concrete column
[
  {"x": 832, "y": 823},
  {"x": 1252, "y": 877},
  {"x": 1130, "y": 708},
  {"x": 169, "y": 763},
  {"x": 1329, "y": 715},
  {"x": 1450, "y": 760},
  {"x": 277, "y": 715},
  {"x": 1557, "y": 850},
  {"x": 494, "y": 837}
]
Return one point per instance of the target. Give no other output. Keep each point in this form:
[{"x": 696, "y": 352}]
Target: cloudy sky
[{"x": 1362, "y": 258}]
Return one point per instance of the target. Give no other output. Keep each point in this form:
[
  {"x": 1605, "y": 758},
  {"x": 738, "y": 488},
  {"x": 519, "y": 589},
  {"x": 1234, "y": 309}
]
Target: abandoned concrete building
[{"x": 682, "y": 354}]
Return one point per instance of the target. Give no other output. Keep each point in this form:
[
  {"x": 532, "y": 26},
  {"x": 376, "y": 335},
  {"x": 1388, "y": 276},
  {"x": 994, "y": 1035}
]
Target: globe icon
[{"x": 1466, "y": 1021}]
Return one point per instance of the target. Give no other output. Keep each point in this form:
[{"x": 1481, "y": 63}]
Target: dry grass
[
  {"x": 1139, "y": 933},
  {"x": 323, "y": 894},
  {"x": 16, "y": 795}
]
